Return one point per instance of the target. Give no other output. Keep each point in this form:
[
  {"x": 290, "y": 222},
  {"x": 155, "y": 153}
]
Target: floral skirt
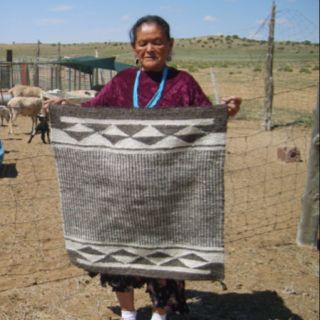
[{"x": 164, "y": 293}]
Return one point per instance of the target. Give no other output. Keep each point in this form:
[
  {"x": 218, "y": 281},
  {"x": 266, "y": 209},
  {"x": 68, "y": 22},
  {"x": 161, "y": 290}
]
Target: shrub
[
  {"x": 192, "y": 68},
  {"x": 286, "y": 69},
  {"x": 305, "y": 70}
]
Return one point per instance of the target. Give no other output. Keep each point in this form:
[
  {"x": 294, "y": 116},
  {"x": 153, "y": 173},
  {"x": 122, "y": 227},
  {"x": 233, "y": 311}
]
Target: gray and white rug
[{"x": 142, "y": 191}]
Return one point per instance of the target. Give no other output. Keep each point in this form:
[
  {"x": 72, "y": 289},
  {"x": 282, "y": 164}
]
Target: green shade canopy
[{"x": 87, "y": 64}]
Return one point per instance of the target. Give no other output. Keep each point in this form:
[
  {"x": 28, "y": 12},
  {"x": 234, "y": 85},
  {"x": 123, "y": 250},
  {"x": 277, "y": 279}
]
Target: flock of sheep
[
  {"x": 28, "y": 101},
  {"x": 25, "y": 100}
]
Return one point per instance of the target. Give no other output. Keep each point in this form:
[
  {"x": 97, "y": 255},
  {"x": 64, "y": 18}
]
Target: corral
[{"x": 267, "y": 275}]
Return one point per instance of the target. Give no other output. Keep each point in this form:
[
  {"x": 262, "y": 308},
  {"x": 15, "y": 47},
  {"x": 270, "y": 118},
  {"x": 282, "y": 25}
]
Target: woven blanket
[{"x": 142, "y": 191}]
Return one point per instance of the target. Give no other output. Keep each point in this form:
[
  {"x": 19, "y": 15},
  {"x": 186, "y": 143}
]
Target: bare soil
[{"x": 268, "y": 276}]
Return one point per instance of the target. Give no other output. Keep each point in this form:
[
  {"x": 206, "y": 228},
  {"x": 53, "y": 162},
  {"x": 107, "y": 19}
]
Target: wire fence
[
  {"x": 262, "y": 202},
  {"x": 263, "y": 194},
  {"x": 262, "y": 191},
  {"x": 49, "y": 76}
]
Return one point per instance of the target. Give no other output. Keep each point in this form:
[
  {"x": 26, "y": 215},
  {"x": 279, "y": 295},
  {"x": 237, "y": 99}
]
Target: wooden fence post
[
  {"x": 36, "y": 66},
  {"x": 79, "y": 79},
  {"x": 10, "y": 67},
  {"x": 74, "y": 79},
  {"x": 309, "y": 221},
  {"x": 24, "y": 74},
  {"x": 69, "y": 79},
  {"x": 58, "y": 70},
  {"x": 268, "y": 101},
  {"x": 51, "y": 77}
]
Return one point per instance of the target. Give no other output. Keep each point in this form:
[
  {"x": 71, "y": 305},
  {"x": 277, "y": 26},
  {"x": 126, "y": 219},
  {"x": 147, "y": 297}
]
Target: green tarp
[{"x": 87, "y": 64}]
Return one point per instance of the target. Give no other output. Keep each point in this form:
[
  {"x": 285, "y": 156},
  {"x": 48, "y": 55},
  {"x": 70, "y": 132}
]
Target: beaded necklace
[{"x": 156, "y": 97}]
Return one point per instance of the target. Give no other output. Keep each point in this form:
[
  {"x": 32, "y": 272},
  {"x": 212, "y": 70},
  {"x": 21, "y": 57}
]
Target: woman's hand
[
  {"x": 56, "y": 100},
  {"x": 233, "y": 104}
]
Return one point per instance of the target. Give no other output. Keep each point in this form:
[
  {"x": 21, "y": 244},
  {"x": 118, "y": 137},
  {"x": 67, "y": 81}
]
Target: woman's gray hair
[{"x": 163, "y": 24}]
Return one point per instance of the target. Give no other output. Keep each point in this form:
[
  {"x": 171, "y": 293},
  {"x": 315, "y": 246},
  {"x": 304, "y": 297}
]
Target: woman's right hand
[{"x": 56, "y": 100}]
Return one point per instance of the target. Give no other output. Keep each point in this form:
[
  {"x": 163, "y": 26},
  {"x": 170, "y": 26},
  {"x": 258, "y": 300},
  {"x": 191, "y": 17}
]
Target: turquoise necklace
[{"x": 154, "y": 100}]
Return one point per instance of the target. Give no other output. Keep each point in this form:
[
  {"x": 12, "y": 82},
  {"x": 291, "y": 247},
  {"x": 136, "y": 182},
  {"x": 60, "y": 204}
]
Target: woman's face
[{"x": 152, "y": 47}]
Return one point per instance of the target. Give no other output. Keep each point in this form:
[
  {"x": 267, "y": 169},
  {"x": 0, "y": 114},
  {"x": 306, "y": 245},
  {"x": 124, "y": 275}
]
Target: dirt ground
[{"x": 268, "y": 277}]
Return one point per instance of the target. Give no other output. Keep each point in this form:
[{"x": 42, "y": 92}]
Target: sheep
[
  {"x": 4, "y": 114},
  {"x": 20, "y": 90},
  {"x": 82, "y": 93},
  {"x": 43, "y": 128},
  {"x": 53, "y": 93},
  {"x": 71, "y": 97},
  {"x": 26, "y": 106}
]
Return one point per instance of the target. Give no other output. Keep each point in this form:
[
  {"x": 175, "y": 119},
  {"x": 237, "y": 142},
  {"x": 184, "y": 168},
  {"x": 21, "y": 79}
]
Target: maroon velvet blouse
[{"x": 180, "y": 90}]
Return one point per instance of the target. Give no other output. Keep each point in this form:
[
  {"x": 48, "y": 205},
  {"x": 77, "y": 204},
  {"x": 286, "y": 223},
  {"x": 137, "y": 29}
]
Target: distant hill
[{"x": 206, "y": 50}]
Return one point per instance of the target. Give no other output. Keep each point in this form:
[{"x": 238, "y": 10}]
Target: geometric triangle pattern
[
  {"x": 186, "y": 262},
  {"x": 143, "y": 135},
  {"x": 142, "y": 191},
  {"x": 140, "y": 134}
]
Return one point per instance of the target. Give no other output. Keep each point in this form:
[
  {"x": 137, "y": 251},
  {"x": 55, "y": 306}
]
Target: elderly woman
[{"x": 152, "y": 85}]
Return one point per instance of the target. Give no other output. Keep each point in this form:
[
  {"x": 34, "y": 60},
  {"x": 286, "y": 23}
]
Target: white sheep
[
  {"x": 4, "y": 114},
  {"x": 20, "y": 90},
  {"x": 82, "y": 93},
  {"x": 25, "y": 106}
]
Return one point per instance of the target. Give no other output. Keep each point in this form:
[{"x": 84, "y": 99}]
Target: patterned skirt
[{"x": 164, "y": 293}]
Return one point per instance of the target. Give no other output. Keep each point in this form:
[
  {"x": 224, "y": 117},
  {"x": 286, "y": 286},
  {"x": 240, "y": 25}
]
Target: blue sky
[{"x": 74, "y": 21}]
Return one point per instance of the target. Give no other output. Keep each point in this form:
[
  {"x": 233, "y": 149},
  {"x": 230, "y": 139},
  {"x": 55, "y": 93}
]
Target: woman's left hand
[{"x": 233, "y": 104}]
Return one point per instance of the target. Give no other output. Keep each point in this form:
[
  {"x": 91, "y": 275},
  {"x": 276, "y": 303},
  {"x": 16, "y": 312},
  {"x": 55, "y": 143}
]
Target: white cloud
[
  {"x": 125, "y": 17},
  {"x": 61, "y": 8},
  {"x": 49, "y": 22},
  {"x": 283, "y": 21},
  {"x": 209, "y": 18},
  {"x": 172, "y": 9}
]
